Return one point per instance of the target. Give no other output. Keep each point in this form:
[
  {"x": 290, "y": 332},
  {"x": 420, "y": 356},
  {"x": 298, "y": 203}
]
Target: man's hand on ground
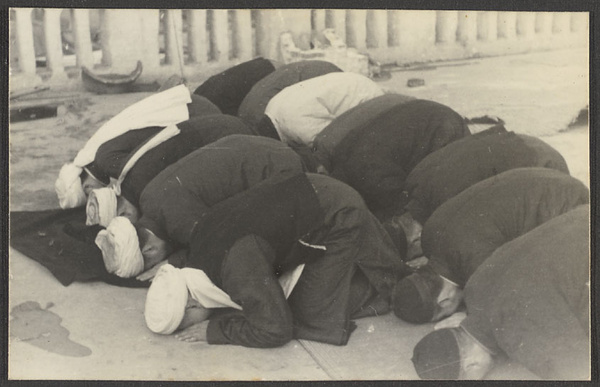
[
  {"x": 150, "y": 273},
  {"x": 193, "y": 333}
]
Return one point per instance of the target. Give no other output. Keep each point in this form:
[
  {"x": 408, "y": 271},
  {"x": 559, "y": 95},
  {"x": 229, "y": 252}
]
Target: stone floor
[{"x": 95, "y": 331}]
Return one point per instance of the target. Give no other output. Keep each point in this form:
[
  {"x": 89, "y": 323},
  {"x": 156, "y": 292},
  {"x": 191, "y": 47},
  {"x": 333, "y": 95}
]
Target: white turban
[
  {"x": 203, "y": 290},
  {"x": 101, "y": 207},
  {"x": 69, "y": 188},
  {"x": 120, "y": 248},
  {"x": 166, "y": 300}
]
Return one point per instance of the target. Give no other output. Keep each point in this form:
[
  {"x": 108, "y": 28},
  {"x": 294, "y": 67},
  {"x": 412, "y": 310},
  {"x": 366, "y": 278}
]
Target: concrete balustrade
[{"x": 200, "y": 41}]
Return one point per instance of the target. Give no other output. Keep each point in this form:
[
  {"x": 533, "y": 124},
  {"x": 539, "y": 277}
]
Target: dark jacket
[
  {"x": 448, "y": 171},
  {"x": 228, "y": 89},
  {"x": 255, "y": 102},
  {"x": 181, "y": 194},
  {"x": 464, "y": 231},
  {"x": 531, "y": 298},
  {"x": 194, "y": 134},
  {"x": 328, "y": 139},
  {"x": 376, "y": 157}
]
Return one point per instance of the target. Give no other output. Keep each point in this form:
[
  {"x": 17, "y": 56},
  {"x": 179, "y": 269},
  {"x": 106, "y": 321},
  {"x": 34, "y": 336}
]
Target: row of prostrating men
[{"x": 285, "y": 201}]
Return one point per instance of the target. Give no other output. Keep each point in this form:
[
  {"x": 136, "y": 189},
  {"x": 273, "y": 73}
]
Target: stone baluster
[
  {"x": 336, "y": 19},
  {"x": 220, "y": 35},
  {"x": 445, "y": 26},
  {"x": 318, "y": 20},
  {"x": 526, "y": 24},
  {"x": 467, "y": 26},
  {"x": 83, "y": 42},
  {"x": 507, "y": 25},
  {"x": 24, "y": 36},
  {"x": 174, "y": 37},
  {"x": 53, "y": 42},
  {"x": 487, "y": 26},
  {"x": 377, "y": 28},
  {"x": 356, "y": 29},
  {"x": 197, "y": 39},
  {"x": 561, "y": 23},
  {"x": 242, "y": 38},
  {"x": 543, "y": 23}
]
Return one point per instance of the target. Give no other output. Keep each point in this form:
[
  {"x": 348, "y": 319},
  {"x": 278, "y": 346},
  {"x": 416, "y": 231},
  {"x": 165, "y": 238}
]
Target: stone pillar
[
  {"x": 263, "y": 36},
  {"x": 243, "y": 35},
  {"x": 220, "y": 35},
  {"x": 174, "y": 37},
  {"x": 356, "y": 29},
  {"x": 53, "y": 42},
  {"x": 336, "y": 19},
  {"x": 526, "y": 24},
  {"x": 414, "y": 31},
  {"x": 579, "y": 21},
  {"x": 487, "y": 25},
  {"x": 197, "y": 39},
  {"x": 129, "y": 35},
  {"x": 561, "y": 23},
  {"x": 467, "y": 26},
  {"x": 377, "y": 28},
  {"x": 83, "y": 42},
  {"x": 272, "y": 23},
  {"x": 318, "y": 20},
  {"x": 24, "y": 36},
  {"x": 446, "y": 26},
  {"x": 507, "y": 25},
  {"x": 543, "y": 23}
]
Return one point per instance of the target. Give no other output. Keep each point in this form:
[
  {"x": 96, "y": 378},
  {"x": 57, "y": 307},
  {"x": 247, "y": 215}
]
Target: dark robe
[
  {"x": 530, "y": 300},
  {"x": 181, "y": 194},
  {"x": 254, "y": 104},
  {"x": 228, "y": 89},
  {"x": 464, "y": 231},
  {"x": 376, "y": 157},
  {"x": 111, "y": 156},
  {"x": 246, "y": 240},
  {"x": 194, "y": 134},
  {"x": 328, "y": 139},
  {"x": 448, "y": 171}
]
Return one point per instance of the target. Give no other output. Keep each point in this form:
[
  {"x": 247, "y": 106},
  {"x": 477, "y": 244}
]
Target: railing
[{"x": 52, "y": 43}]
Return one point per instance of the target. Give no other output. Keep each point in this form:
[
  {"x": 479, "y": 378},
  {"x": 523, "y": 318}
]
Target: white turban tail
[
  {"x": 120, "y": 248},
  {"x": 69, "y": 188},
  {"x": 161, "y": 109},
  {"x": 203, "y": 290},
  {"x": 166, "y": 300},
  {"x": 101, "y": 207}
]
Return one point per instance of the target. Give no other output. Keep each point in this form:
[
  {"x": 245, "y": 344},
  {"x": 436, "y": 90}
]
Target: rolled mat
[{"x": 61, "y": 242}]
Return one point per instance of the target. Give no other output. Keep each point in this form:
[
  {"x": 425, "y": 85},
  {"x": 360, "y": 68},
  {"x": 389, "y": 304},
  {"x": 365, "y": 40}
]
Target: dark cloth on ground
[
  {"x": 194, "y": 134},
  {"x": 60, "y": 241},
  {"x": 531, "y": 298},
  {"x": 249, "y": 238},
  {"x": 376, "y": 157},
  {"x": 180, "y": 195},
  {"x": 228, "y": 89},
  {"x": 326, "y": 142},
  {"x": 254, "y": 104},
  {"x": 448, "y": 171},
  {"x": 464, "y": 231},
  {"x": 201, "y": 106}
]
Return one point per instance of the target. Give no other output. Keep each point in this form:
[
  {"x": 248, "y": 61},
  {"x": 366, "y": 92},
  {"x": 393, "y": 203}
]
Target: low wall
[{"x": 200, "y": 42}]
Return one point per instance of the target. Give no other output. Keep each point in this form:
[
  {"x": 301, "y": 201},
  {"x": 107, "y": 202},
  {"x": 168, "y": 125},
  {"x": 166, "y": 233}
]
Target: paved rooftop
[{"x": 97, "y": 331}]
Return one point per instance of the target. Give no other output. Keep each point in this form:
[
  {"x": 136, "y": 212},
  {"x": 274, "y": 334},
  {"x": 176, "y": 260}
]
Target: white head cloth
[
  {"x": 120, "y": 248},
  {"x": 159, "y": 138},
  {"x": 101, "y": 207},
  {"x": 166, "y": 300},
  {"x": 161, "y": 109},
  {"x": 68, "y": 187},
  {"x": 203, "y": 290}
]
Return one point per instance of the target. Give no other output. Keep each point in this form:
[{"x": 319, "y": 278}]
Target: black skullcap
[
  {"x": 414, "y": 299},
  {"x": 437, "y": 356}
]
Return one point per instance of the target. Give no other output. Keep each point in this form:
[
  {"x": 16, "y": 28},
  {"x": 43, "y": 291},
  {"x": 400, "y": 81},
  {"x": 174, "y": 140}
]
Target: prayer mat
[{"x": 60, "y": 241}]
